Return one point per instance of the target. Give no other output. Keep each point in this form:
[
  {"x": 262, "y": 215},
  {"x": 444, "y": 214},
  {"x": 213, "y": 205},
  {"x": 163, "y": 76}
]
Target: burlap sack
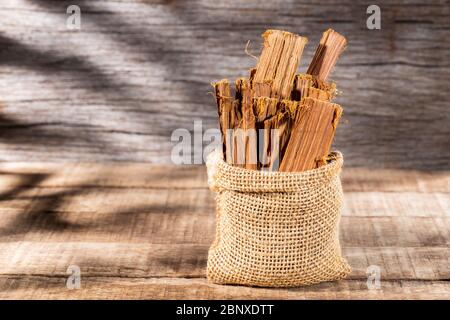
[{"x": 276, "y": 229}]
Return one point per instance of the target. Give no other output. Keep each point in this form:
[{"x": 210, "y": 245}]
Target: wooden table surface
[
  {"x": 137, "y": 70},
  {"x": 140, "y": 231}
]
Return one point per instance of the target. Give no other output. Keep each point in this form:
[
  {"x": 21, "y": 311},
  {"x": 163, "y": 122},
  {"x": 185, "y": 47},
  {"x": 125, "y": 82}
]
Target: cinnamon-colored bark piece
[
  {"x": 265, "y": 108},
  {"x": 229, "y": 118},
  {"x": 284, "y": 123},
  {"x": 298, "y": 132},
  {"x": 330, "y": 47},
  {"x": 274, "y": 144},
  {"x": 236, "y": 123},
  {"x": 306, "y": 85},
  {"x": 312, "y": 133},
  {"x": 224, "y": 107},
  {"x": 324, "y": 85},
  {"x": 266, "y": 144},
  {"x": 244, "y": 94},
  {"x": 252, "y": 76},
  {"x": 278, "y": 63}
]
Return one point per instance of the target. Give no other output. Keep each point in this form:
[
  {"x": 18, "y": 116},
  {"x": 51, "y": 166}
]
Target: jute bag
[{"x": 276, "y": 229}]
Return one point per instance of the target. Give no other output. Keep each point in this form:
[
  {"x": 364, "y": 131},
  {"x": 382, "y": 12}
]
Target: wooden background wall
[{"x": 138, "y": 69}]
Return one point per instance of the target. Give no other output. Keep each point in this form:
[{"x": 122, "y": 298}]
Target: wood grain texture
[
  {"x": 140, "y": 231},
  {"x": 42, "y": 287},
  {"x": 146, "y": 215},
  {"x": 141, "y": 175},
  {"x": 312, "y": 133},
  {"x": 137, "y": 70},
  {"x": 146, "y": 260}
]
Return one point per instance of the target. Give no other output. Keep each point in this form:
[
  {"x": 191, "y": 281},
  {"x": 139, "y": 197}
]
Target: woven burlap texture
[{"x": 276, "y": 229}]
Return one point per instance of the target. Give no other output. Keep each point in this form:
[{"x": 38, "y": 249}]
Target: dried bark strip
[
  {"x": 236, "y": 121},
  {"x": 252, "y": 76},
  {"x": 278, "y": 63},
  {"x": 313, "y": 131},
  {"x": 265, "y": 108},
  {"x": 274, "y": 145},
  {"x": 330, "y": 47},
  {"x": 298, "y": 132},
  {"x": 306, "y": 85},
  {"x": 227, "y": 116},
  {"x": 244, "y": 94}
]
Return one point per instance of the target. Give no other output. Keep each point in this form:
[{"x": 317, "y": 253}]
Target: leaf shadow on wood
[
  {"x": 148, "y": 40},
  {"x": 187, "y": 261},
  {"x": 143, "y": 40},
  {"x": 46, "y": 134},
  {"x": 42, "y": 209},
  {"x": 86, "y": 74},
  {"x": 41, "y": 213},
  {"x": 27, "y": 180}
]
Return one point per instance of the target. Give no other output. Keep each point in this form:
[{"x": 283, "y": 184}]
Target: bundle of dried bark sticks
[{"x": 277, "y": 119}]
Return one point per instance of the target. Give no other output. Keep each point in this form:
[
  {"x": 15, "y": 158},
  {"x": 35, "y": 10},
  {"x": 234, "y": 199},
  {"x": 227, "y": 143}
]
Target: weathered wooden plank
[
  {"x": 366, "y": 180},
  {"x": 167, "y": 228},
  {"x": 104, "y": 201},
  {"x": 188, "y": 216},
  {"x": 395, "y": 231},
  {"x": 136, "y": 234},
  {"x": 136, "y": 214},
  {"x": 137, "y": 260},
  {"x": 42, "y": 287},
  {"x": 79, "y": 214},
  {"x": 142, "y": 260},
  {"x": 141, "y": 175},
  {"x": 400, "y": 263},
  {"x": 117, "y": 88},
  {"x": 398, "y": 204},
  {"x": 123, "y": 175}
]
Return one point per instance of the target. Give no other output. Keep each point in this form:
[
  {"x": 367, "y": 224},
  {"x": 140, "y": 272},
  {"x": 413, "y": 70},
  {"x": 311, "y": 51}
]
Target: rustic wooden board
[
  {"x": 137, "y": 233},
  {"x": 137, "y": 70},
  {"x": 139, "y": 215},
  {"x": 139, "y": 175},
  {"x": 44, "y": 287},
  {"x": 146, "y": 260}
]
